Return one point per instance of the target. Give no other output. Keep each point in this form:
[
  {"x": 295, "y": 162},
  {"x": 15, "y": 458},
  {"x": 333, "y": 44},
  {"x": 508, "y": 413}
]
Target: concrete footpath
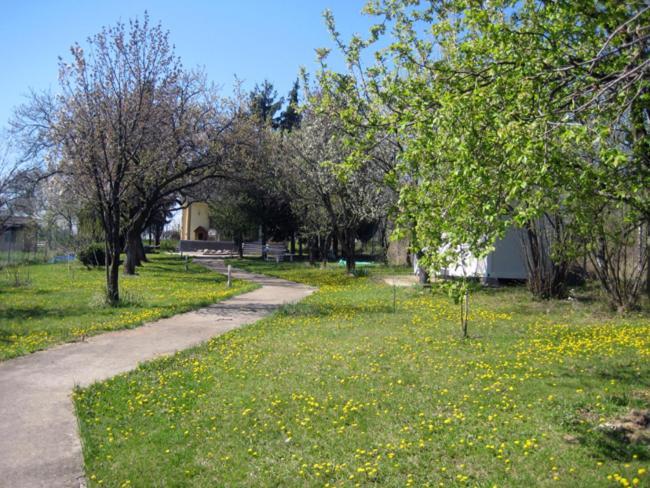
[{"x": 39, "y": 442}]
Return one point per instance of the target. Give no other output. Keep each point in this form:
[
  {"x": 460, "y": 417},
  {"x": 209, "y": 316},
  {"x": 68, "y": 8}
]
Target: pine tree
[
  {"x": 264, "y": 103},
  {"x": 290, "y": 118}
]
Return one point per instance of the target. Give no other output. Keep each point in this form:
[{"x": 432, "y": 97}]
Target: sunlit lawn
[
  {"x": 341, "y": 391},
  {"x": 59, "y": 302}
]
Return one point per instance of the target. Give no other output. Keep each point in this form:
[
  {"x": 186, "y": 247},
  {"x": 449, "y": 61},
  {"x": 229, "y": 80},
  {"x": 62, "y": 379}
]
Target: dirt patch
[
  {"x": 587, "y": 415},
  {"x": 406, "y": 280},
  {"x": 633, "y": 427}
]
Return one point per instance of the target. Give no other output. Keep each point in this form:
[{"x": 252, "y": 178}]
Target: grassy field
[
  {"x": 21, "y": 257},
  {"x": 45, "y": 304},
  {"x": 339, "y": 390}
]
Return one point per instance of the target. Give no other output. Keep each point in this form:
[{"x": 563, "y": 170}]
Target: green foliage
[
  {"x": 264, "y": 103},
  {"x": 93, "y": 255},
  {"x": 89, "y": 222},
  {"x": 290, "y": 117},
  {"x": 17, "y": 275},
  {"x": 505, "y": 113},
  {"x": 168, "y": 245},
  {"x": 331, "y": 196}
]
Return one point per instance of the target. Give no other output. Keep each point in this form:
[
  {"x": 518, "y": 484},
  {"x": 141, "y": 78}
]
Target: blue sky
[{"x": 253, "y": 39}]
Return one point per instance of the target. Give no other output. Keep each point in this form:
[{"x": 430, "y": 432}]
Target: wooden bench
[{"x": 273, "y": 250}]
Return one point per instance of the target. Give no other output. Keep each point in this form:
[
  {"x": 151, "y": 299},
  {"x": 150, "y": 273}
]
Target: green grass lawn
[
  {"x": 21, "y": 257},
  {"x": 340, "y": 391},
  {"x": 57, "y": 303}
]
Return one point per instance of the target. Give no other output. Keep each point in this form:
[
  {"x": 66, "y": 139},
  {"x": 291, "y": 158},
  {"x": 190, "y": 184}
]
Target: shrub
[
  {"x": 168, "y": 245},
  {"x": 93, "y": 255},
  {"x": 18, "y": 275},
  {"x": 360, "y": 272}
]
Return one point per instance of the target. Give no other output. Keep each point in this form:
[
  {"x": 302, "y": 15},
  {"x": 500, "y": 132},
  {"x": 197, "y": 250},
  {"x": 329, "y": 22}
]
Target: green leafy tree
[
  {"x": 521, "y": 114},
  {"x": 329, "y": 203}
]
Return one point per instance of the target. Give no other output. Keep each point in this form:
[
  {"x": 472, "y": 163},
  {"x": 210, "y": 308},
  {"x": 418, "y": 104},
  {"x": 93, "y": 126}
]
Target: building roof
[{"x": 15, "y": 221}]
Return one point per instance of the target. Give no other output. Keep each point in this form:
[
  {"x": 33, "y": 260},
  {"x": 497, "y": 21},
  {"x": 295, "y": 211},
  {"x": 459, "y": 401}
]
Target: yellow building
[{"x": 195, "y": 222}]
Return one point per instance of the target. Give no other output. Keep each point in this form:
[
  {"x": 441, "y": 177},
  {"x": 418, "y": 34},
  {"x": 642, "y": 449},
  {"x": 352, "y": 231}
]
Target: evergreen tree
[
  {"x": 290, "y": 118},
  {"x": 264, "y": 103}
]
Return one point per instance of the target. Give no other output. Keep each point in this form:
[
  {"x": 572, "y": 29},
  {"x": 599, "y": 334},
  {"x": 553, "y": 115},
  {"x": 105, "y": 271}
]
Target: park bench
[
  {"x": 273, "y": 250},
  {"x": 253, "y": 249},
  {"x": 278, "y": 251}
]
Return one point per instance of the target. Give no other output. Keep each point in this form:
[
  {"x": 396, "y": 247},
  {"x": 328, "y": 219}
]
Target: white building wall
[
  {"x": 507, "y": 261},
  {"x": 470, "y": 267}
]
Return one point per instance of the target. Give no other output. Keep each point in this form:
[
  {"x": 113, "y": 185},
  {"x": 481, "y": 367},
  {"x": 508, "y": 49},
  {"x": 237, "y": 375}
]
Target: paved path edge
[{"x": 39, "y": 432}]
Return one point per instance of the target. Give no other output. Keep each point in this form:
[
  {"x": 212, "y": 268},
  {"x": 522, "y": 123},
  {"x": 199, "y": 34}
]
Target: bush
[
  {"x": 93, "y": 255},
  {"x": 360, "y": 272},
  {"x": 168, "y": 245}
]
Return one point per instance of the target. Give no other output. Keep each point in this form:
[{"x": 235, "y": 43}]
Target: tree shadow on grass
[
  {"x": 626, "y": 375},
  {"x": 323, "y": 310},
  {"x": 587, "y": 425},
  {"x": 612, "y": 447},
  {"x": 201, "y": 274},
  {"x": 37, "y": 312},
  {"x": 4, "y": 337}
]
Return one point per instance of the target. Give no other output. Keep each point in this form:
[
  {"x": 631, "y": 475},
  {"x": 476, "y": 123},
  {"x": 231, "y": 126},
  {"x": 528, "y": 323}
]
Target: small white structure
[{"x": 506, "y": 262}]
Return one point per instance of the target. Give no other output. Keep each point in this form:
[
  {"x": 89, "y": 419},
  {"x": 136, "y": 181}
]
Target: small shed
[
  {"x": 17, "y": 233},
  {"x": 506, "y": 262}
]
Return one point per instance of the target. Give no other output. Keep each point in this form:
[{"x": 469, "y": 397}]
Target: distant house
[{"x": 17, "y": 234}]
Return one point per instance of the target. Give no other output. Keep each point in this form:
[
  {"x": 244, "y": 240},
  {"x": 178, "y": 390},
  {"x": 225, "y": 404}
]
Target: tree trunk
[
  {"x": 464, "y": 313},
  {"x": 157, "y": 235},
  {"x": 300, "y": 247},
  {"x": 133, "y": 243},
  {"x": 112, "y": 249},
  {"x": 348, "y": 251},
  {"x": 325, "y": 246},
  {"x": 141, "y": 251},
  {"x": 293, "y": 243},
  {"x": 313, "y": 249},
  {"x": 422, "y": 274},
  {"x": 240, "y": 245},
  {"x": 335, "y": 246},
  {"x": 112, "y": 262},
  {"x": 546, "y": 277}
]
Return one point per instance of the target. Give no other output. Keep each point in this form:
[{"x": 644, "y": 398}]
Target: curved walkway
[{"x": 39, "y": 443}]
